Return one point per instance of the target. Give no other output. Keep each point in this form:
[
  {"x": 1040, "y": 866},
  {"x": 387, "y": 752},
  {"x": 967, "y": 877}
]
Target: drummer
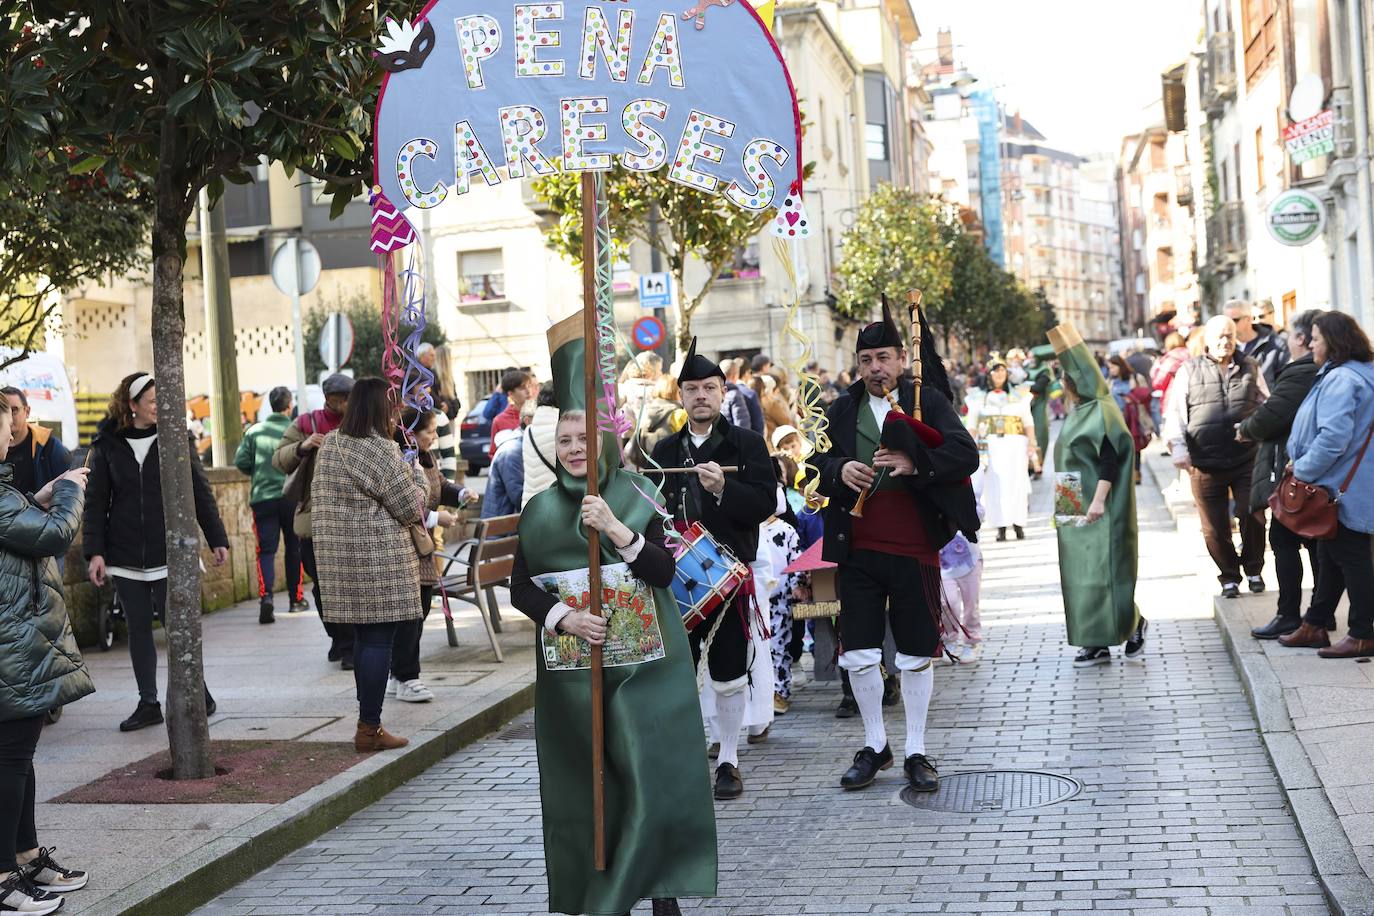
[{"x": 730, "y": 506}]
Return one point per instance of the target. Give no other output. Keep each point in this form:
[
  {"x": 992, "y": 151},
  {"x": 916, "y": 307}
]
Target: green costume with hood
[
  {"x": 1097, "y": 562},
  {"x": 660, "y": 818},
  {"x": 1041, "y": 379}
]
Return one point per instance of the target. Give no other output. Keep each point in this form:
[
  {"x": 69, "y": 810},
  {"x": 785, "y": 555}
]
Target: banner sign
[
  {"x": 477, "y": 91},
  {"x": 1311, "y": 138}
]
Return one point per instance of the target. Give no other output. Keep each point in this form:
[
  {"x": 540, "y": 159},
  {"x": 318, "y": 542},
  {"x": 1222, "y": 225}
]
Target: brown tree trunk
[{"x": 188, "y": 732}]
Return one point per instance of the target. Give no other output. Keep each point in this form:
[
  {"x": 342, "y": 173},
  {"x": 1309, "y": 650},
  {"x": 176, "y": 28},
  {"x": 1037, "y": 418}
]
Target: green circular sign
[{"x": 1296, "y": 217}]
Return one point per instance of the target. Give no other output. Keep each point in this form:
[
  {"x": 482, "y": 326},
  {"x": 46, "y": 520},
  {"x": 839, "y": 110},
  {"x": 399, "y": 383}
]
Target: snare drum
[{"x": 707, "y": 574}]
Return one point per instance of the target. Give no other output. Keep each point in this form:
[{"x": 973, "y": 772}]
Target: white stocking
[
  {"x": 916, "y": 689},
  {"x": 730, "y": 719},
  {"x": 867, "y": 684}
]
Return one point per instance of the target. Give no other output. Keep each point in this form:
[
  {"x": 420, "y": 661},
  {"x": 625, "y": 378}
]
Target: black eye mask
[{"x": 396, "y": 61}]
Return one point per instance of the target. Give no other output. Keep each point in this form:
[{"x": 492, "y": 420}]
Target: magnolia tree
[{"x": 184, "y": 96}]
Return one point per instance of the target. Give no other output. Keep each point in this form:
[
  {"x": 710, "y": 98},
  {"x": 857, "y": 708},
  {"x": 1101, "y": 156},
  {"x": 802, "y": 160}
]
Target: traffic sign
[
  {"x": 336, "y": 341},
  {"x": 656, "y": 291},
  {"x": 648, "y": 333},
  {"x": 303, "y": 274}
]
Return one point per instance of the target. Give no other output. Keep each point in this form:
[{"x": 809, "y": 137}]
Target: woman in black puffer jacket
[
  {"x": 124, "y": 535},
  {"x": 40, "y": 669}
]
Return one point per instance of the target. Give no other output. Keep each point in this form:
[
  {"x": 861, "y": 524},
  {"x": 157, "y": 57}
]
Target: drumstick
[{"x": 727, "y": 469}]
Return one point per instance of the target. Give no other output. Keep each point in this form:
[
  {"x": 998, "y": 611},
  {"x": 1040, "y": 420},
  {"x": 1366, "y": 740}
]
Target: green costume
[
  {"x": 660, "y": 818},
  {"x": 1097, "y": 562},
  {"x": 1041, "y": 378}
]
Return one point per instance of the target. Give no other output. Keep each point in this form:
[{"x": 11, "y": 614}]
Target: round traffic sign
[
  {"x": 305, "y": 272},
  {"x": 336, "y": 340},
  {"x": 648, "y": 332}
]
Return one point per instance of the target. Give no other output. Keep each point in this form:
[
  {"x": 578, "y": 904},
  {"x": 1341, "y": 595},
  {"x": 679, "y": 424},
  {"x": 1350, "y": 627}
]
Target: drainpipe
[{"x": 1363, "y": 308}]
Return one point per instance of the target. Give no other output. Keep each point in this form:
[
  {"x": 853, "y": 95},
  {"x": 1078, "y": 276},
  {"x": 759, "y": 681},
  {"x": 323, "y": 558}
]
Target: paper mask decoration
[
  {"x": 406, "y": 45},
  {"x": 594, "y": 84},
  {"x": 791, "y": 221}
]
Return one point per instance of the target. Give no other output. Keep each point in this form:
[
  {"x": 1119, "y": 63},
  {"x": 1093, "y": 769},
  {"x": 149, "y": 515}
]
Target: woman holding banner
[{"x": 660, "y": 821}]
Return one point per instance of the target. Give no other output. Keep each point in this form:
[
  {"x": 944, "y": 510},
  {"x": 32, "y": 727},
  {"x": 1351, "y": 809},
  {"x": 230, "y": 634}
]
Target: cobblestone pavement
[{"x": 1179, "y": 810}]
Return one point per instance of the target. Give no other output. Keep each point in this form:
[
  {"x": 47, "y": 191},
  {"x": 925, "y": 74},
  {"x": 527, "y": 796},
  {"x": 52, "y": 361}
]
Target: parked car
[{"x": 474, "y": 443}]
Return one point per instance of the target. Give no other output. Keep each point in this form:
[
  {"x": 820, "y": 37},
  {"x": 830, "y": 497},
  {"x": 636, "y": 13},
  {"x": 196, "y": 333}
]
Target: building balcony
[
  {"x": 1218, "y": 72},
  {"x": 1226, "y": 238},
  {"x": 1183, "y": 185}
]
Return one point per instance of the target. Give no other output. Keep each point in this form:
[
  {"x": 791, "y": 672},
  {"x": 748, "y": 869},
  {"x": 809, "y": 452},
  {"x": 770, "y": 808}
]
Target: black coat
[
  {"x": 750, "y": 494},
  {"x": 1270, "y": 425},
  {"x": 123, "y": 520},
  {"x": 940, "y": 484}
]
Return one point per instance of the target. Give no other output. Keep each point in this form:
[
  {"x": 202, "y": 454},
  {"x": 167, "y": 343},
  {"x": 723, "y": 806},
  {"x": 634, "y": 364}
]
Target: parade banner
[{"x": 487, "y": 92}]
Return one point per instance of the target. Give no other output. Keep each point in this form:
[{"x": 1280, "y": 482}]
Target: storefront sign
[{"x": 1296, "y": 217}]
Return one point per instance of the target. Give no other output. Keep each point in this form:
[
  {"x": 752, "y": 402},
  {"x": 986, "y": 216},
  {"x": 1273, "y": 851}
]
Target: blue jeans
[{"x": 371, "y": 666}]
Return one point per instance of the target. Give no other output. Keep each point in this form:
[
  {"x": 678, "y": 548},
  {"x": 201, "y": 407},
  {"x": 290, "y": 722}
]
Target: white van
[{"x": 43, "y": 379}]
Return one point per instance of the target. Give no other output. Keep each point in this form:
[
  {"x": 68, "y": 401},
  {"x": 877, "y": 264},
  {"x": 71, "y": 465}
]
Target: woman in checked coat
[{"x": 364, "y": 500}]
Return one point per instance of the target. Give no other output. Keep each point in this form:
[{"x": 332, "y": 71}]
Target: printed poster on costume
[
  {"x": 1069, "y": 510},
  {"x": 632, "y": 634}
]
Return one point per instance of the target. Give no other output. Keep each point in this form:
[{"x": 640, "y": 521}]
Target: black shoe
[
  {"x": 346, "y": 663},
  {"x": 666, "y": 906},
  {"x": 145, "y": 714},
  {"x": 892, "y": 690},
  {"x": 867, "y": 763},
  {"x": 1230, "y": 590},
  {"x": 299, "y": 607},
  {"x": 728, "y": 783},
  {"x": 335, "y": 654},
  {"x": 921, "y": 774},
  {"x": 1256, "y": 584},
  {"x": 210, "y": 704},
  {"x": 1089, "y": 657},
  {"x": 1001, "y": 534},
  {"x": 1136, "y": 644},
  {"x": 848, "y": 708},
  {"x": 1279, "y": 626},
  {"x": 1020, "y": 532},
  {"x": 266, "y": 613}
]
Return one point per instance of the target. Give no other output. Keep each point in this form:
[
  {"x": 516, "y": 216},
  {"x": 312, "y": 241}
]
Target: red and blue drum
[{"x": 707, "y": 574}]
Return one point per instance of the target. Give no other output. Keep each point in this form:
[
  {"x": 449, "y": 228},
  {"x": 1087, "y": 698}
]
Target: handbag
[
  {"x": 423, "y": 541},
  {"x": 1307, "y": 509},
  {"x": 296, "y": 487}
]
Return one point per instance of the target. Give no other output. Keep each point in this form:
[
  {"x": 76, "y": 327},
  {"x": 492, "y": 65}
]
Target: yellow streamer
[{"x": 811, "y": 415}]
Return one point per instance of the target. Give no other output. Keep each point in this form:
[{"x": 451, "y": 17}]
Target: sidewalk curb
[
  {"x": 204, "y": 873},
  {"x": 1348, "y": 889}
]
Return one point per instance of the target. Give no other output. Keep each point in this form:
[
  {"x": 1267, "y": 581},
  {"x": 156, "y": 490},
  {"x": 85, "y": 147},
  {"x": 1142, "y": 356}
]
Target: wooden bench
[{"x": 474, "y": 567}]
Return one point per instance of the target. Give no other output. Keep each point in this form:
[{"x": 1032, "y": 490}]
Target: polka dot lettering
[
  {"x": 596, "y": 34},
  {"x": 479, "y": 37},
  {"x": 695, "y": 144},
  {"x": 663, "y": 52},
  {"x": 405, "y": 174},
  {"x": 760, "y": 197},
  {"x": 655, "y": 147},
  {"x": 528, "y": 39},
  {"x": 575, "y": 133},
  {"x": 522, "y": 127}
]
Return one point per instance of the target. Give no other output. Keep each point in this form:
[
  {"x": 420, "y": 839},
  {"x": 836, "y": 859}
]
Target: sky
[{"x": 1085, "y": 73}]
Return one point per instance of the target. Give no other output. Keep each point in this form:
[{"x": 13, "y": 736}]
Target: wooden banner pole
[{"x": 589, "y": 264}]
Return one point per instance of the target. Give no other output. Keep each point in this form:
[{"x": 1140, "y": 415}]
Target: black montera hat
[
  {"x": 880, "y": 333},
  {"x": 696, "y": 367}
]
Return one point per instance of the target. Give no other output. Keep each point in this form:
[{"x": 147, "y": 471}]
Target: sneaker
[
  {"x": 949, "y": 653},
  {"x": 391, "y": 685},
  {"x": 19, "y": 895},
  {"x": 266, "y": 613},
  {"x": 1090, "y": 657},
  {"x": 413, "y": 692},
  {"x": 299, "y": 607},
  {"x": 970, "y": 654},
  {"x": 145, "y": 714},
  {"x": 1230, "y": 590},
  {"x": 781, "y": 704},
  {"x": 47, "y": 875},
  {"x": 1135, "y": 646},
  {"x": 1256, "y": 584}
]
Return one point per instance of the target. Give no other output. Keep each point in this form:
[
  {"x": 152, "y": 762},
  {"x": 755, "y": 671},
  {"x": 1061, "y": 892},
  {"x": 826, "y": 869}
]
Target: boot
[
  {"x": 1020, "y": 532},
  {"x": 666, "y": 906},
  {"x": 1001, "y": 534},
  {"x": 1349, "y": 647},
  {"x": 1307, "y": 636},
  {"x": 370, "y": 738}
]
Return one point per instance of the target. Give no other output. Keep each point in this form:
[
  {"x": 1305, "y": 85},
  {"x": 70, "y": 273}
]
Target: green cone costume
[
  {"x": 1097, "y": 562},
  {"x": 660, "y": 818},
  {"x": 1041, "y": 379}
]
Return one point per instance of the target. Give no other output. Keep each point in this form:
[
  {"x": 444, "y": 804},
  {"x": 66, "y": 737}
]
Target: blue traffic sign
[
  {"x": 648, "y": 333},
  {"x": 656, "y": 291}
]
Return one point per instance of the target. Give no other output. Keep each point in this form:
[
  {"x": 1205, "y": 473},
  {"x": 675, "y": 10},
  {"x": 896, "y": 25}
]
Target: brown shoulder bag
[{"x": 1307, "y": 509}]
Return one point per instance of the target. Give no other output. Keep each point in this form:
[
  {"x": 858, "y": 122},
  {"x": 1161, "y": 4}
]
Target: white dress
[{"x": 1001, "y": 422}]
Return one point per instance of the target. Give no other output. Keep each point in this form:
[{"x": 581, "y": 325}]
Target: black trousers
[
  {"x": 405, "y": 648},
  {"x": 18, "y": 832},
  {"x": 878, "y": 590},
  {"x": 273, "y": 522},
  {"x": 728, "y": 658},
  {"x": 340, "y": 634},
  {"x": 142, "y": 601},
  {"x": 1288, "y": 565},
  {"x": 1346, "y": 566},
  {"x": 1214, "y": 491}
]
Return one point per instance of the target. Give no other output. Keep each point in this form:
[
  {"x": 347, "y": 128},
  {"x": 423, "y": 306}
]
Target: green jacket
[
  {"x": 40, "y": 667},
  {"x": 255, "y": 457}
]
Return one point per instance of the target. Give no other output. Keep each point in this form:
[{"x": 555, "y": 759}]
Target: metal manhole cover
[
  {"x": 995, "y": 791},
  {"x": 521, "y": 732}
]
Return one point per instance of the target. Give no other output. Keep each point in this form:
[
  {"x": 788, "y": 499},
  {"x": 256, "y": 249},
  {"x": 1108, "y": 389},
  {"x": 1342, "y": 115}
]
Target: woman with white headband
[{"x": 124, "y": 534}]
